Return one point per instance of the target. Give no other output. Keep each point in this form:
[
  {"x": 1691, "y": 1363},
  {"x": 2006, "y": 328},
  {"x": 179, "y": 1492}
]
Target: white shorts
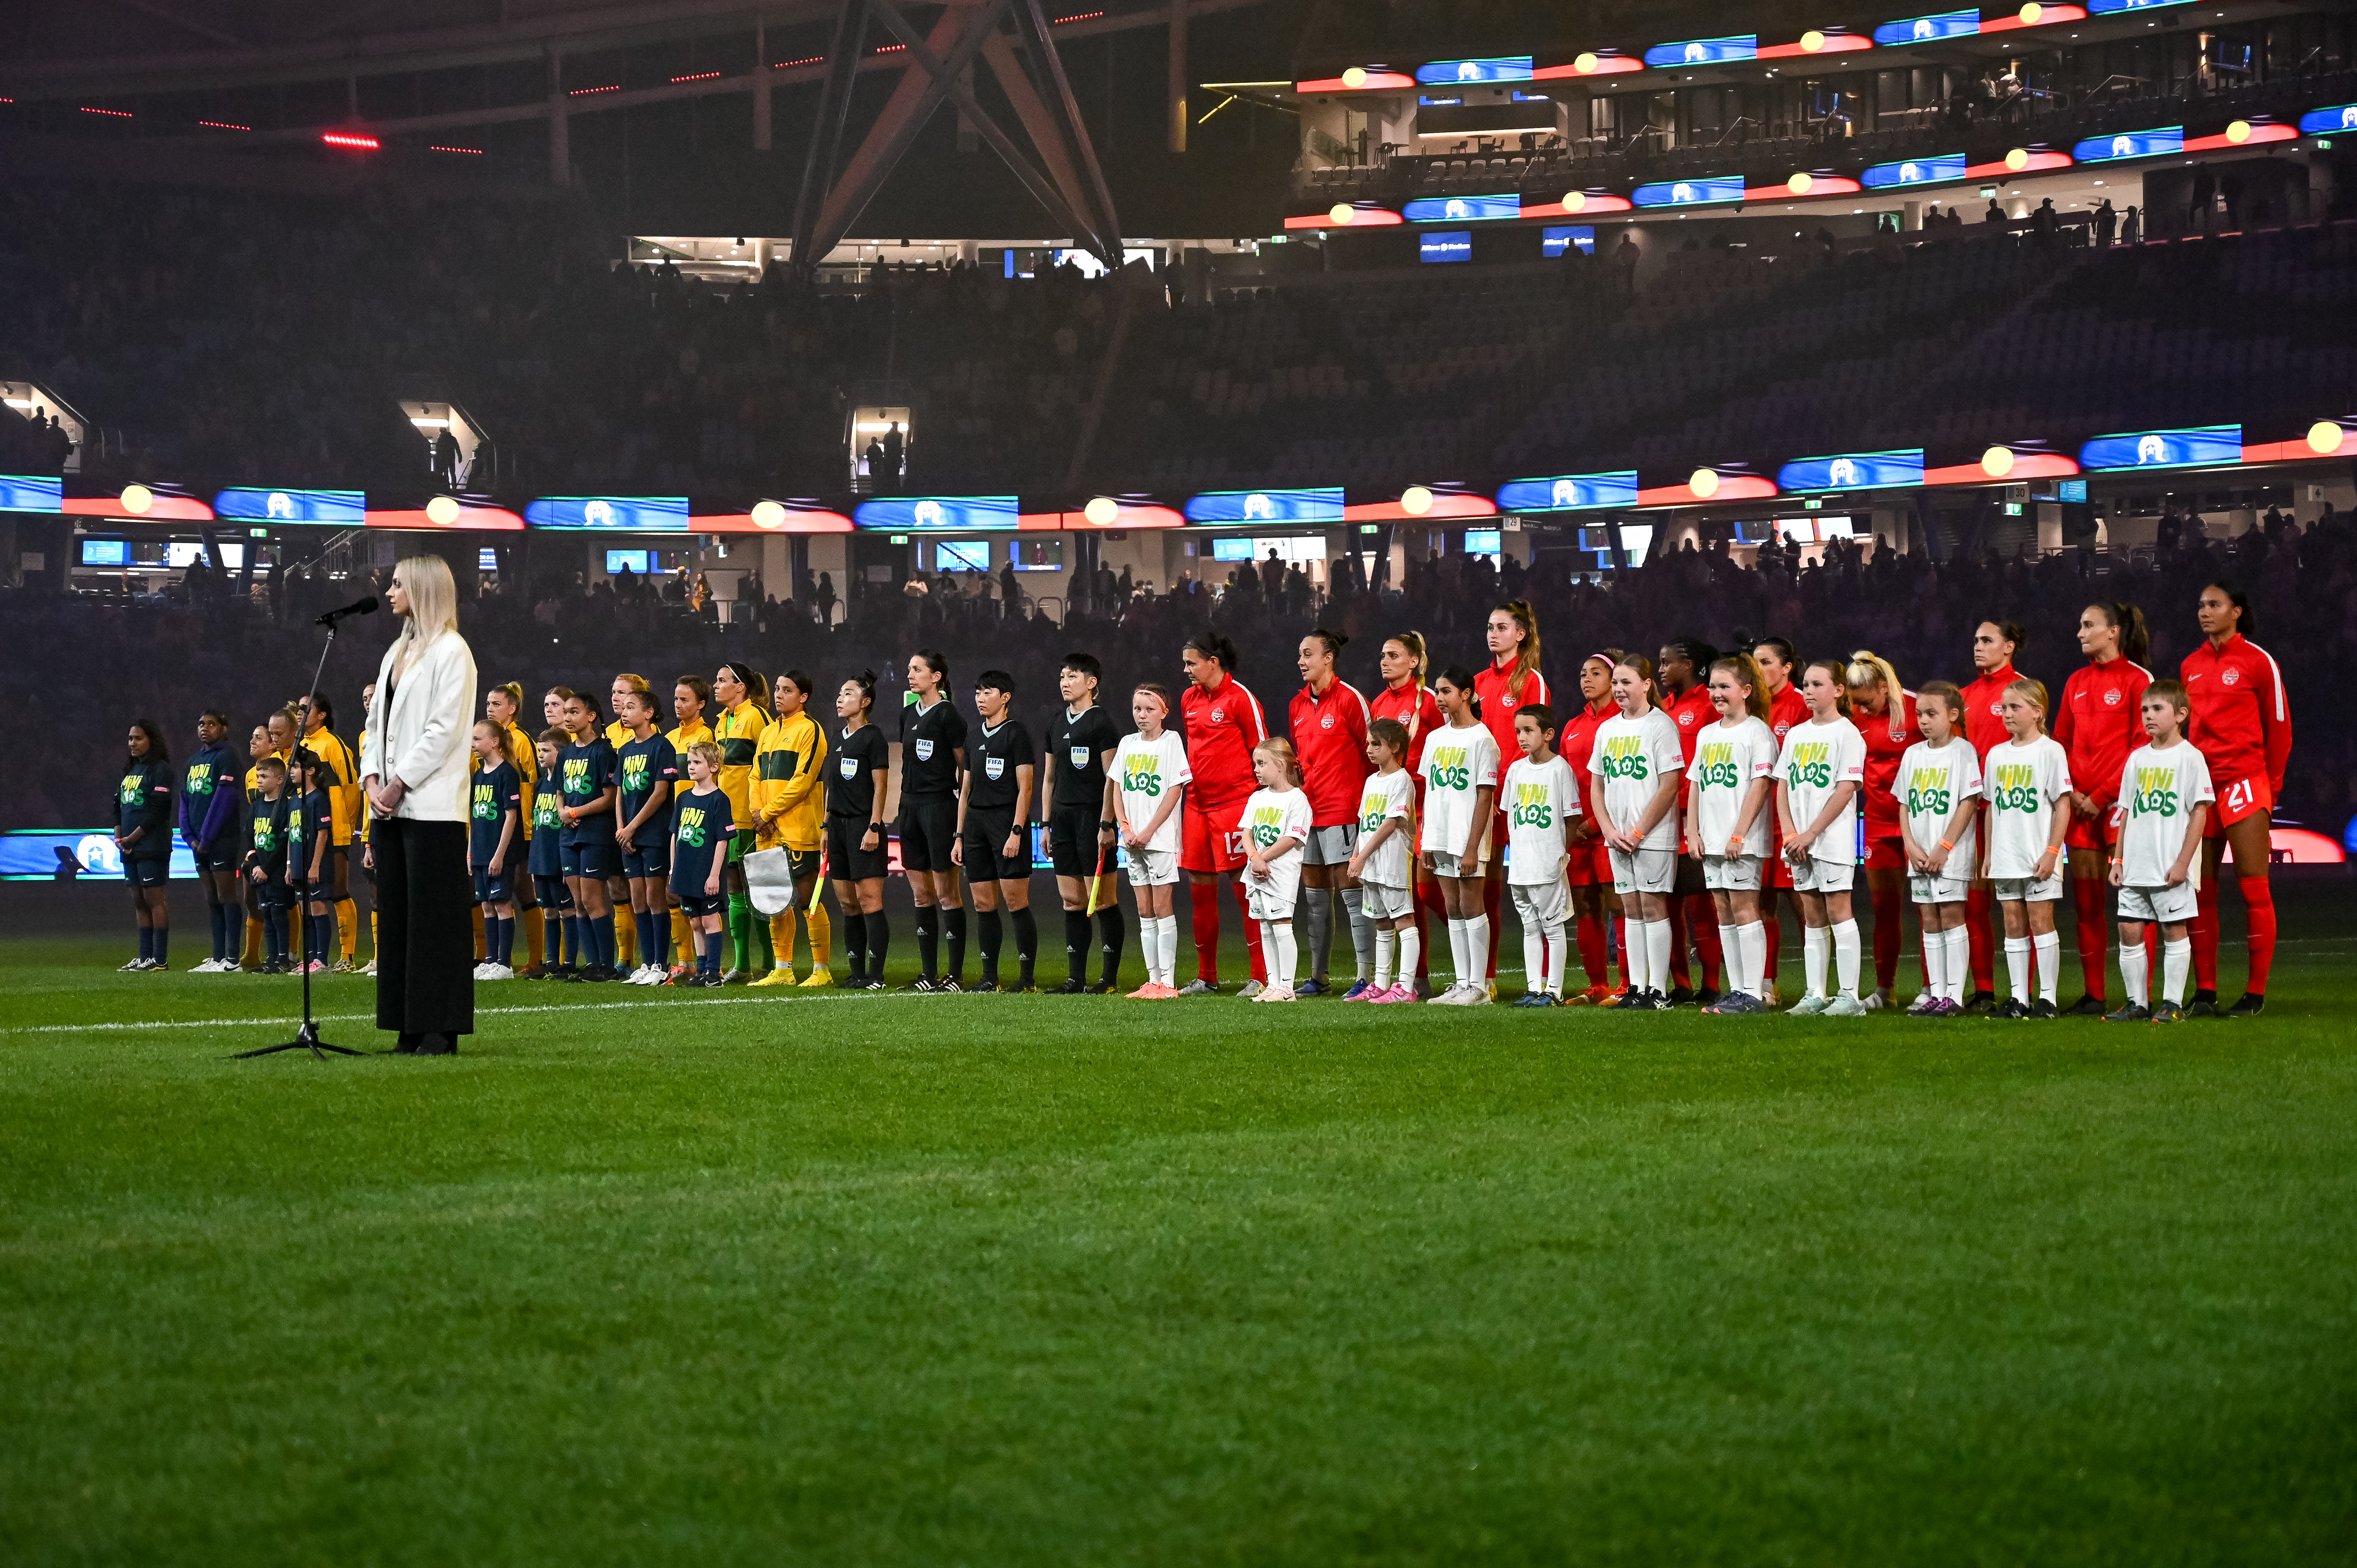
[
  {"x": 1541, "y": 902},
  {"x": 1382, "y": 902},
  {"x": 2170, "y": 906},
  {"x": 1153, "y": 867},
  {"x": 1815, "y": 876},
  {"x": 1455, "y": 866},
  {"x": 1732, "y": 873},
  {"x": 2027, "y": 890},
  {"x": 1924, "y": 888},
  {"x": 1330, "y": 845},
  {"x": 1645, "y": 871},
  {"x": 1272, "y": 900}
]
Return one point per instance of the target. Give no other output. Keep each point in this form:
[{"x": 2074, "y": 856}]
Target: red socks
[
  {"x": 1620, "y": 946},
  {"x": 1203, "y": 903},
  {"x": 1768, "y": 919},
  {"x": 1252, "y": 934},
  {"x": 1701, "y": 919},
  {"x": 1890, "y": 925},
  {"x": 1678, "y": 973},
  {"x": 2095, "y": 950},
  {"x": 1978, "y": 906},
  {"x": 1493, "y": 900},
  {"x": 2205, "y": 932},
  {"x": 1591, "y": 950},
  {"x": 2259, "y": 900}
]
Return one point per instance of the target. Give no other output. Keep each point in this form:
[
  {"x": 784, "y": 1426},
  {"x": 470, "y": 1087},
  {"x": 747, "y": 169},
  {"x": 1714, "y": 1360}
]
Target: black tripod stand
[{"x": 307, "y": 1039}]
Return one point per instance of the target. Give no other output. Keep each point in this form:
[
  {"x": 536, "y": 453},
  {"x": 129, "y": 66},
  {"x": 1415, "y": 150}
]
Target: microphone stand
[{"x": 307, "y": 1039}]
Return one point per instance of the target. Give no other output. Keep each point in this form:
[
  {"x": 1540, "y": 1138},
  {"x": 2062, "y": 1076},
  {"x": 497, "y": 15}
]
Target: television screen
[
  {"x": 1556, "y": 240},
  {"x": 619, "y": 561},
  {"x": 1447, "y": 246},
  {"x": 1484, "y": 541},
  {"x": 961, "y": 555},
  {"x": 105, "y": 553}
]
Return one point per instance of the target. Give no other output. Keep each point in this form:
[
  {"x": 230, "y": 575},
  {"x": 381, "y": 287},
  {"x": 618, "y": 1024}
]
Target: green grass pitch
[{"x": 763, "y": 1277}]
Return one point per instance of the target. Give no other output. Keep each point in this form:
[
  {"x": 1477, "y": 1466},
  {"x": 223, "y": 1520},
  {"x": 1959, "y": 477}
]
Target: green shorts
[{"x": 741, "y": 845}]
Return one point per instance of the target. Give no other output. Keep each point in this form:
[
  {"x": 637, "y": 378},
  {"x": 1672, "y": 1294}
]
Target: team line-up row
[{"x": 1664, "y": 811}]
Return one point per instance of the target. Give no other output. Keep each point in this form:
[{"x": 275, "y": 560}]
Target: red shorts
[
  {"x": 2095, "y": 832},
  {"x": 1885, "y": 854},
  {"x": 2251, "y": 797},
  {"x": 1590, "y": 865},
  {"x": 1209, "y": 839}
]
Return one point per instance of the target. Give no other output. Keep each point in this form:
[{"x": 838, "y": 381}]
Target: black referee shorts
[
  {"x": 845, "y": 860},
  {"x": 928, "y": 828},
  {"x": 986, "y": 842},
  {"x": 1072, "y": 844}
]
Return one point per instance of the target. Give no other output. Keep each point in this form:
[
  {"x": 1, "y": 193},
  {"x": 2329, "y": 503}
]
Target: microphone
[{"x": 366, "y": 607}]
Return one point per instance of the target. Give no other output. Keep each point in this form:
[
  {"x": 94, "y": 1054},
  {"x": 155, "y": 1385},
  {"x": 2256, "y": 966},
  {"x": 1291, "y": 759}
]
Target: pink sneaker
[
  {"x": 1158, "y": 992},
  {"x": 1144, "y": 993}
]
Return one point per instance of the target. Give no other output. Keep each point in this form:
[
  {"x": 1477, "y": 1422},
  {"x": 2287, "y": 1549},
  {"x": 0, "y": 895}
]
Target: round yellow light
[
  {"x": 1812, "y": 41},
  {"x": 2018, "y": 159},
  {"x": 1998, "y": 462},
  {"x": 1341, "y": 212},
  {"x": 1704, "y": 482},
  {"x": 1356, "y": 77},
  {"x": 1415, "y": 500},
  {"x": 2031, "y": 13},
  {"x": 2239, "y": 131},
  {"x": 442, "y": 511},
  {"x": 768, "y": 514},
  {"x": 2324, "y": 437},
  {"x": 1586, "y": 64},
  {"x": 1799, "y": 184},
  {"x": 137, "y": 499},
  {"x": 1102, "y": 510},
  {"x": 1573, "y": 201}
]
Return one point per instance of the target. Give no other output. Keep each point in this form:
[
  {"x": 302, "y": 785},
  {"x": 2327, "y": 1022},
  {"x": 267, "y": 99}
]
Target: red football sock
[
  {"x": 1252, "y": 934},
  {"x": 1701, "y": 919},
  {"x": 2205, "y": 932},
  {"x": 1678, "y": 973},
  {"x": 1775, "y": 935},
  {"x": 2152, "y": 946},
  {"x": 2259, "y": 901},
  {"x": 1591, "y": 948},
  {"x": 1204, "y": 903},
  {"x": 1493, "y": 900},
  {"x": 1977, "y": 906},
  {"x": 1889, "y": 925},
  {"x": 1621, "y": 945},
  {"x": 2094, "y": 952}
]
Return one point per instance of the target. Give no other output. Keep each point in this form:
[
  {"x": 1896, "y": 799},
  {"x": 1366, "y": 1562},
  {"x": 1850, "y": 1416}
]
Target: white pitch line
[{"x": 480, "y": 1011}]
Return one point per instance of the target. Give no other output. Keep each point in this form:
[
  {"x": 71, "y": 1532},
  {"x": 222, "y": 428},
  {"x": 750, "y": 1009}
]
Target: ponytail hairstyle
[
  {"x": 1159, "y": 694},
  {"x": 758, "y": 684},
  {"x": 1745, "y": 668},
  {"x": 1211, "y": 645},
  {"x": 515, "y": 690},
  {"x": 802, "y": 681},
  {"x": 1332, "y": 640},
  {"x": 2248, "y": 626},
  {"x": 1413, "y": 642},
  {"x": 654, "y": 707},
  {"x": 2036, "y": 691},
  {"x": 1839, "y": 670},
  {"x": 1868, "y": 668},
  {"x": 1784, "y": 650},
  {"x": 939, "y": 663},
  {"x": 1526, "y": 662},
  {"x": 1392, "y": 736},
  {"x": 1696, "y": 652},
  {"x": 2013, "y": 632},
  {"x": 2135, "y": 637},
  {"x": 865, "y": 681},
  {"x": 1948, "y": 694},
  {"x": 1276, "y": 745},
  {"x": 1461, "y": 678}
]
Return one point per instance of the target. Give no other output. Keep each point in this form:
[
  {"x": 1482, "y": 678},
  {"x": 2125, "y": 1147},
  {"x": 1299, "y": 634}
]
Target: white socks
[
  {"x": 1753, "y": 940},
  {"x": 1657, "y": 954},
  {"x": 2017, "y": 967},
  {"x": 1474, "y": 971},
  {"x": 1283, "y": 950},
  {"x": 1382, "y": 979},
  {"x": 1158, "y": 943},
  {"x": 1559, "y": 953},
  {"x": 1730, "y": 948},
  {"x": 1171, "y": 950},
  {"x": 1636, "y": 957},
  {"x": 1960, "y": 962},
  {"x": 2136, "y": 973},
  {"x": 2174, "y": 958},
  {"x": 2049, "y": 948},
  {"x": 1936, "y": 961},
  {"x": 1846, "y": 956},
  {"x": 1410, "y": 951},
  {"x": 1816, "y": 946}
]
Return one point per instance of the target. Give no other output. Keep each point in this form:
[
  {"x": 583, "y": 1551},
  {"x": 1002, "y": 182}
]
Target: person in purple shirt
[{"x": 208, "y": 824}]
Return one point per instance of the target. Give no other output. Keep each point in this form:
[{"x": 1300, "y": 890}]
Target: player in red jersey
[
  {"x": 1884, "y": 713},
  {"x": 1328, "y": 720},
  {"x": 2242, "y": 725},
  {"x": 1591, "y": 861},
  {"x": 1685, "y": 698},
  {"x": 1223, "y": 723},
  {"x": 1995, "y": 643},
  {"x": 1508, "y": 683},
  {"x": 2098, "y": 722},
  {"x": 1778, "y": 661},
  {"x": 1408, "y": 702}
]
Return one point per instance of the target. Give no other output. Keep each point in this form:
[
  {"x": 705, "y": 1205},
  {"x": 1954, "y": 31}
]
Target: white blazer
[{"x": 419, "y": 733}]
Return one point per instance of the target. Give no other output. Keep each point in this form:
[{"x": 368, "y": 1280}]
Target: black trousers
[{"x": 425, "y": 939}]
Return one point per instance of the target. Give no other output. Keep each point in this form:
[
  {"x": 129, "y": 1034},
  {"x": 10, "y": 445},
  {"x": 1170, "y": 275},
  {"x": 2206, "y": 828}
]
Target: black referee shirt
[
  {"x": 993, "y": 756},
  {"x": 1078, "y": 745},
  {"x": 930, "y": 738},
  {"x": 859, "y": 754}
]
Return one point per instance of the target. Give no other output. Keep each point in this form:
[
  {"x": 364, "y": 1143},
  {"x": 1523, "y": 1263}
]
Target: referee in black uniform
[
  {"x": 995, "y": 826},
  {"x": 933, "y": 756},
  {"x": 1080, "y": 744}
]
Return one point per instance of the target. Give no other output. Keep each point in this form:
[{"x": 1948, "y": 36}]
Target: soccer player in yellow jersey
[
  {"x": 690, "y": 697},
  {"x": 788, "y": 766},
  {"x": 618, "y": 735},
  {"x": 742, "y": 696},
  {"x": 504, "y": 706},
  {"x": 343, "y": 787}
]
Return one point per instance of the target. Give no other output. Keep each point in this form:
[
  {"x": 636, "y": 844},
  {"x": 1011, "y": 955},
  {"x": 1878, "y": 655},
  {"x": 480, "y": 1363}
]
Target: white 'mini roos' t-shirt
[
  {"x": 1632, "y": 756},
  {"x": 1145, "y": 771}
]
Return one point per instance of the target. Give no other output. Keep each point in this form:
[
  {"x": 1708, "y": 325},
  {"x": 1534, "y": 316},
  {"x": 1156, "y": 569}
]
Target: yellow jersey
[
  {"x": 738, "y": 732},
  {"x": 344, "y": 794},
  {"x": 524, "y": 758},
  {"x": 681, "y": 738},
  {"x": 361, "y": 822},
  {"x": 786, "y": 767}
]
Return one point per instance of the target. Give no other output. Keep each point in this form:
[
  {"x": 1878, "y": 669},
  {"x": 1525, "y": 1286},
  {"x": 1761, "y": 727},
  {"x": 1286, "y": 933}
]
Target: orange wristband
[{"x": 1945, "y": 844}]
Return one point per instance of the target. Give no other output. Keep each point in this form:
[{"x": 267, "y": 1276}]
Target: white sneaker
[
  {"x": 483, "y": 969},
  {"x": 646, "y": 974},
  {"x": 372, "y": 967},
  {"x": 496, "y": 972},
  {"x": 210, "y": 966},
  {"x": 1875, "y": 1001}
]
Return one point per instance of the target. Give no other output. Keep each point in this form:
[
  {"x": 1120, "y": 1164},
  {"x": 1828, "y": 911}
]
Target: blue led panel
[
  {"x": 1689, "y": 192},
  {"x": 1914, "y": 171},
  {"x": 934, "y": 514},
  {"x": 1504, "y": 68},
  {"x": 961, "y": 555},
  {"x": 1569, "y": 492},
  {"x": 2325, "y": 121},
  {"x": 620, "y": 561},
  {"x": 32, "y": 855},
  {"x": 1579, "y": 236},
  {"x": 2164, "y": 449},
  {"x": 1444, "y": 245},
  {"x": 1442, "y": 101},
  {"x": 1268, "y": 506},
  {"x": 31, "y": 492},
  {"x": 2107, "y": 7},
  {"x": 1484, "y": 541},
  {"x": 2158, "y": 141},
  {"x": 336, "y": 509},
  {"x": 1704, "y": 51},
  {"x": 1924, "y": 29},
  {"x": 628, "y": 514},
  {"x": 106, "y": 553},
  {"x": 1853, "y": 471},
  {"x": 1462, "y": 209}
]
